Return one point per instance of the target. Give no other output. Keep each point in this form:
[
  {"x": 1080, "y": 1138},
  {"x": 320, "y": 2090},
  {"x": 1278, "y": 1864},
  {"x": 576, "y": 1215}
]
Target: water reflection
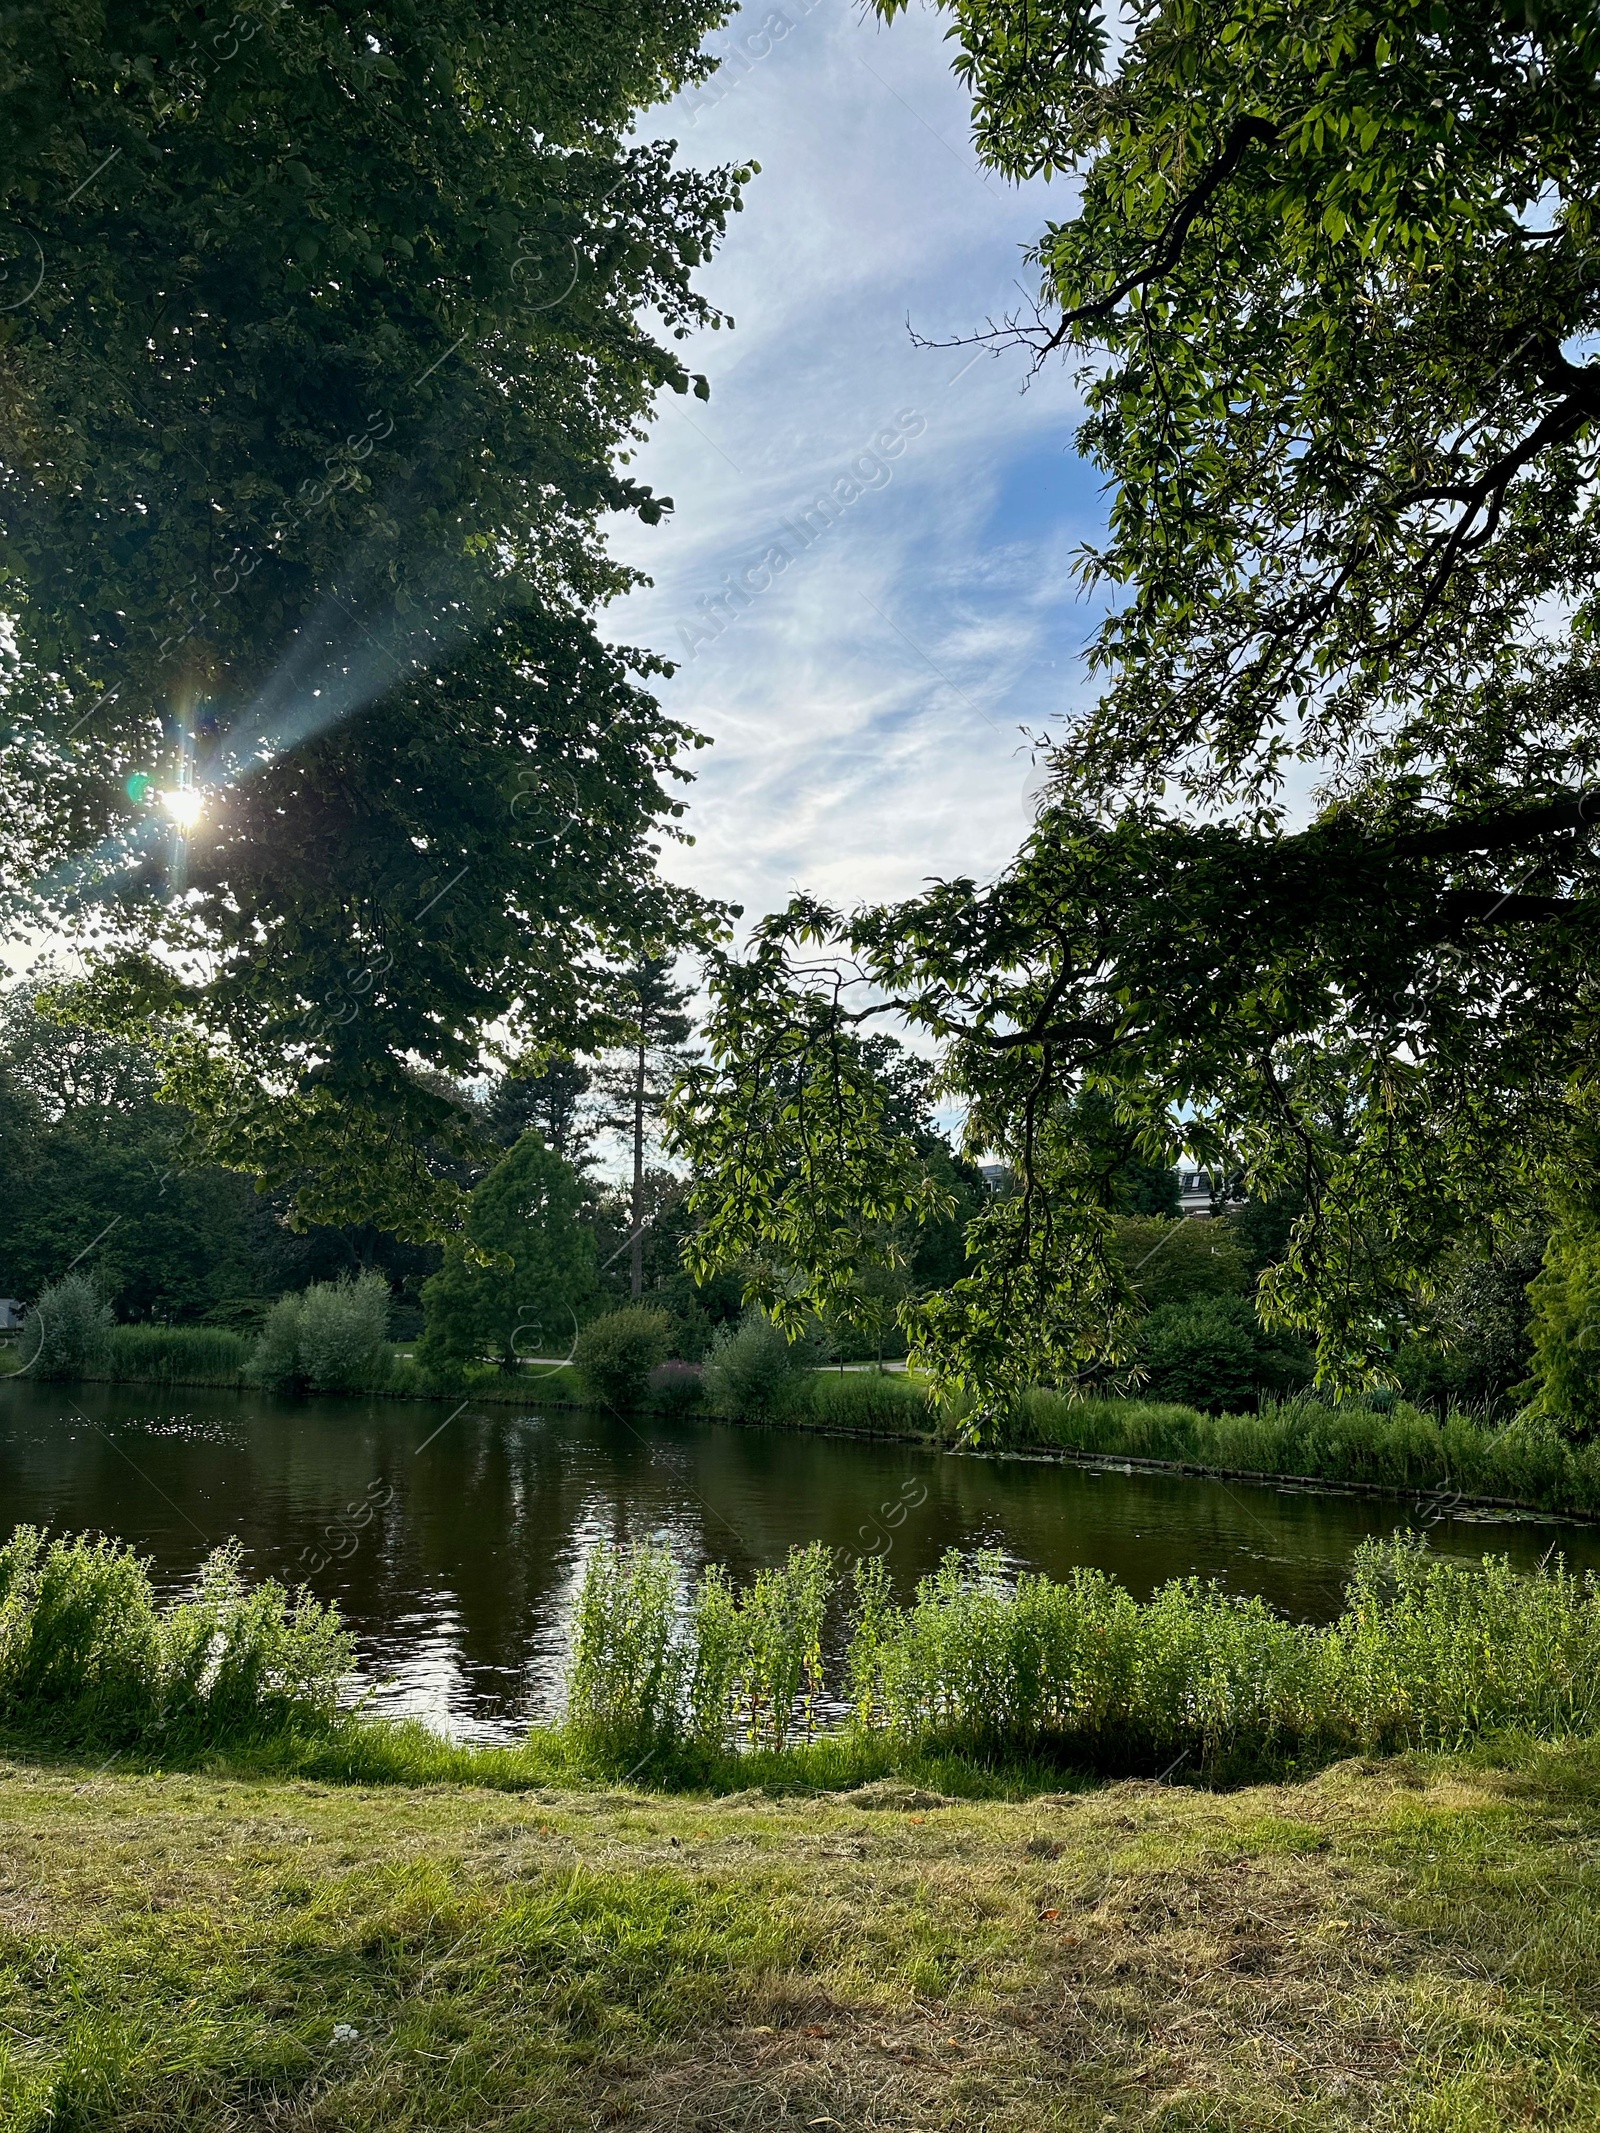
[{"x": 454, "y": 1552}]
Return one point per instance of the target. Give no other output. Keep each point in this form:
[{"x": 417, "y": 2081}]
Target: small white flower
[{"x": 345, "y": 2033}]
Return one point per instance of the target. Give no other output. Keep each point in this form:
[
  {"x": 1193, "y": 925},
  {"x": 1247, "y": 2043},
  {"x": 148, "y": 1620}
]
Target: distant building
[
  {"x": 1200, "y": 1196},
  {"x": 994, "y": 1175},
  {"x": 10, "y": 1314}
]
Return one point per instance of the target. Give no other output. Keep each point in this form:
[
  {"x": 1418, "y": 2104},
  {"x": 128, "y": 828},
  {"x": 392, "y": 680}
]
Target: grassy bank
[
  {"x": 808, "y": 1676},
  {"x": 1410, "y": 1945},
  {"x": 1405, "y": 1449},
  {"x": 224, "y": 1904}
]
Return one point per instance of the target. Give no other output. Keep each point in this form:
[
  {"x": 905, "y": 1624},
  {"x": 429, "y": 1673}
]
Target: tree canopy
[
  {"x": 325, "y": 340},
  {"x": 1330, "y": 288}
]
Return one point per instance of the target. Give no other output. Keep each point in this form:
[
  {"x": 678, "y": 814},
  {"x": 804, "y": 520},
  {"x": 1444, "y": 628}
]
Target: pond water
[{"x": 453, "y": 1546}]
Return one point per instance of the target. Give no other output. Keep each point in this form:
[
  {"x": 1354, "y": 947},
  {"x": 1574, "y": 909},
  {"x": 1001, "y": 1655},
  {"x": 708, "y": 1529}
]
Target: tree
[
  {"x": 332, "y": 365},
  {"x": 637, "y": 1078},
  {"x": 519, "y": 1278},
  {"x": 548, "y": 1097},
  {"x": 1328, "y": 286}
]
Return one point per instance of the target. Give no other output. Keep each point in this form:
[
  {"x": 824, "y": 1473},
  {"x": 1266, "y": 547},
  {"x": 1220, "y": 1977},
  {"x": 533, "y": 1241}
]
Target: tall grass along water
[
  {"x": 89, "y": 1660},
  {"x": 1427, "y": 1654}
]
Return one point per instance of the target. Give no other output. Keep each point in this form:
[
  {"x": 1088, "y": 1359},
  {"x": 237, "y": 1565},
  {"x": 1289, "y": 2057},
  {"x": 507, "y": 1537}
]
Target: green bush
[
  {"x": 67, "y": 1334},
  {"x": 750, "y": 1375},
  {"x": 1176, "y": 1260},
  {"x": 88, "y": 1659},
  {"x": 331, "y": 1338},
  {"x": 177, "y": 1355},
  {"x": 1213, "y": 1353},
  {"x": 626, "y": 1669},
  {"x": 616, "y": 1353},
  {"x": 675, "y": 1387},
  {"x": 1526, "y": 1460},
  {"x": 1566, "y": 1328}
]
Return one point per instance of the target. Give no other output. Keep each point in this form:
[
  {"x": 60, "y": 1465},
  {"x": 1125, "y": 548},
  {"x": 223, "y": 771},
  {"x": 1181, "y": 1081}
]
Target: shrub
[
  {"x": 750, "y": 1375},
  {"x": 675, "y": 1388},
  {"x": 1175, "y": 1261},
  {"x": 616, "y": 1353},
  {"x": 1427, "y": 1654},
  {"x": 68, "y": 1331},
  {"x": 1566, "y": 1328},
  {"x": 177, "y": 1355},
  {"x": 1213, "y": 1353},
  {"x": 331, "y": 1338},
  {"x": 88, "y": 1659}
]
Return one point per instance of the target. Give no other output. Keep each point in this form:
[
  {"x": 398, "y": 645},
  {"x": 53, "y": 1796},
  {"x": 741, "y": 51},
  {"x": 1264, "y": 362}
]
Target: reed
[
  {"x": 177, "y": 1355},
  {"x": 1522, "y": 1460}
]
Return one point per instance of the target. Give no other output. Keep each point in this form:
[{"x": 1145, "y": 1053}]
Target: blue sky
[{"x": 865, "y": 693}]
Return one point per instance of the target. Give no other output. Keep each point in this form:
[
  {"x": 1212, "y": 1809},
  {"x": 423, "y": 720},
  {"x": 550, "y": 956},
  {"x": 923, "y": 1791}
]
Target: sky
[{"x": 865, "y": 685}]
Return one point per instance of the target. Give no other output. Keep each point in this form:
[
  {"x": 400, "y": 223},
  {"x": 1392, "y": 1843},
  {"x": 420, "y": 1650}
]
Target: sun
[{"x": 184, "y": 806}]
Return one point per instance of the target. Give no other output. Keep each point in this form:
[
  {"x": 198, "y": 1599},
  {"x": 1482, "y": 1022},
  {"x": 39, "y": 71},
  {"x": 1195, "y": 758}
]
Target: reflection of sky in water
[{"x": 455, "y": 1553}]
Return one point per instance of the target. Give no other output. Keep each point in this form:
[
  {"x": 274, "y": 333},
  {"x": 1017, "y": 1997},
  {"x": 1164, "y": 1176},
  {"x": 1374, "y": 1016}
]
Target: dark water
[{"x": 454, "y": 1551}]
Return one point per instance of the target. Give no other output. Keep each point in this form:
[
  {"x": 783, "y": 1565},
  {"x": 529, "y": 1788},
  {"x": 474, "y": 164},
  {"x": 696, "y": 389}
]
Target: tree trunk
[{"x": 636, "y": 1221}]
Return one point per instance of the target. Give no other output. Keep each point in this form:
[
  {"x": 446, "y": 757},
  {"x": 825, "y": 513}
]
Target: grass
[
  {"x": 1407, "y": 1448},
  {"x": 178, "y": 1355},
  {"x": 1410, "y": 1945}
]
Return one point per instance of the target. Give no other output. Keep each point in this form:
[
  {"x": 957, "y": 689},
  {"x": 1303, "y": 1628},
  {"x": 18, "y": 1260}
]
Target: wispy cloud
[{"x": 865, "y": 693}]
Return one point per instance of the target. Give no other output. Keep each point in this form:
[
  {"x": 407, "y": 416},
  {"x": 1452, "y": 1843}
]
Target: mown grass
[{"x": 1410, "y": 1945}]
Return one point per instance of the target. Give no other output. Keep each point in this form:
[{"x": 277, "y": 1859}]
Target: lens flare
[{"x": 183, "y": 806}]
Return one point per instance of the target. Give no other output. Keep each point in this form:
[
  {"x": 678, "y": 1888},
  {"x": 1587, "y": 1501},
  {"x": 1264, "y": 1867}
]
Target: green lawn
[{"x": 1406, "y": 1945}]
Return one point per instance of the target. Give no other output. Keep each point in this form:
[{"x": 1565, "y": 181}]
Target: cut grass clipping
[{"x": 1412, "y": 1946}]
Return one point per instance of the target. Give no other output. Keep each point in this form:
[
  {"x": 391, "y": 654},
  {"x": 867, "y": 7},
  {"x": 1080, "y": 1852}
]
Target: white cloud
[{"x": 864, "y": 698}]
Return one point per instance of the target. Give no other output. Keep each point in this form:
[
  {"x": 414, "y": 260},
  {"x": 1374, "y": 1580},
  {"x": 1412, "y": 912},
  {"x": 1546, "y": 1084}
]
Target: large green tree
[
  {"x": 1330, "y": 287},
  {"x": 520, "y": 1278},
  {"x": 325, "y": 339}
]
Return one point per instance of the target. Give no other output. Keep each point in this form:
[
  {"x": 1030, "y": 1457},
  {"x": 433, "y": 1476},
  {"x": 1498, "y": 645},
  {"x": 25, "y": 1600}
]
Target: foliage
[
  {"x": 634, "y": 1080},
  {"x": 100, "y": 1173},
  {"x": 1328, "y": 278},
  {"x": 1213, "y": 1353},
  {"x": 68, "y": 1332},
  {"x": 1428, "y": 1653},
  {"x": 1525, "y": 1461},
  {"x": 1479, "y": 1348},
  {"x": 1566, "y": 1327},
  {"x": 627, "y": 1664},
  {"x": 750, "y": 1374},
  {"x": 518, "y": 1280},
  {"x": 617, "y": 1353},
  {"x": 343, "y": 337},
  {"x": 88, "y": 1659},
  {"x": 547, "y": 1095},
  {"x": 177, "y": 1355},
  {"x": 331, "y": 1338},
  {"x": 881, "y": 1402},
  {"x": 757, "y": 1655},
  {"x": 675, "y": 1388},
  {"x": 1174, "y": 1260},
  {"x": 804, "y": 1155}
]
